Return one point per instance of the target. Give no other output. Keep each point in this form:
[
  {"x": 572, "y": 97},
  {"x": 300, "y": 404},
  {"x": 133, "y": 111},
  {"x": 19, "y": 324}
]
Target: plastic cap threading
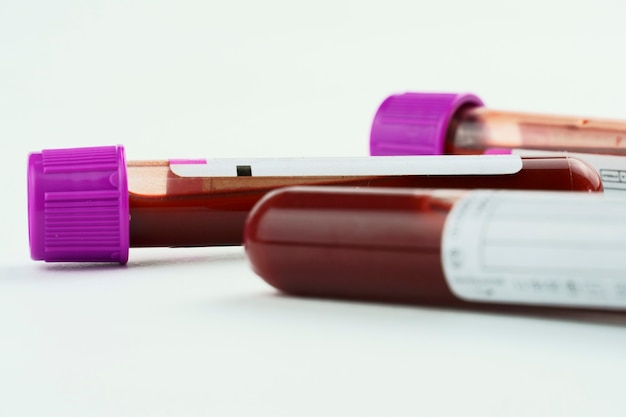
[
  {"x": 78, "y": 205},
  {"x": 415, "y": 123}
]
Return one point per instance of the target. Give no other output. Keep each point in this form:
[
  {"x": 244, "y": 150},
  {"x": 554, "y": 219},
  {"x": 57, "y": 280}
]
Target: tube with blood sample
[
  {"x": 460, "y": 124},
  {"x": 435, "y": 124},
  {"x": 88, "y": 204},
  {"x": 455, "y": 248}
]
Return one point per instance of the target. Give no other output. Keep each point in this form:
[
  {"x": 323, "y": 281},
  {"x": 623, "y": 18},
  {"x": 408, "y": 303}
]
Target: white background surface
[{"x": 190, "y": 332}]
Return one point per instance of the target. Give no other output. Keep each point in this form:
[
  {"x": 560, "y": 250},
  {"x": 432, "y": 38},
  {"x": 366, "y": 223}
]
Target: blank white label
[{"x": 543, "y": 248}]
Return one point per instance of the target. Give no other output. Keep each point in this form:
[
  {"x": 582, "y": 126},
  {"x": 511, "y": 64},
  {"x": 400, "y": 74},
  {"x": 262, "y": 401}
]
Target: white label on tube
[
  {"x": 357, "y": 166},
  {"x": 541, "y": 248}
]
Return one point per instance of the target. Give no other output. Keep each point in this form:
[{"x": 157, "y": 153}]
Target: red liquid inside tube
[
  {"x": 311, "y": 242},
  {"x": 169, "y": 210}
]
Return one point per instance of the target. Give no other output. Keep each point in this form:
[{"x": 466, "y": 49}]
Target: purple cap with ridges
[
  {"x": 415, "y": 123},
  {"x": 78, "y": 205}
]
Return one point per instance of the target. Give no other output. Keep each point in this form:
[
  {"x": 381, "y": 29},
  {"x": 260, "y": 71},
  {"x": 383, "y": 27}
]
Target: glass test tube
[
  {"x": 172, "y": 210},
  {"x": 88, "y": 204},
  {"x": 475, "y": 129},
  {"x": 442, "y": 247},
  {"x": 432, "y": 124}
]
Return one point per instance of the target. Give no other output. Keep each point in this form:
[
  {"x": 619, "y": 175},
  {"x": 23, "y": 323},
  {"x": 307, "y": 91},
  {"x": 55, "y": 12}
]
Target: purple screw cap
[
  {"x": 78, "y": 205},
  {"x": 415, "y": 123}
]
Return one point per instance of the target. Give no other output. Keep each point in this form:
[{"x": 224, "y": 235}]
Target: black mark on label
[
  {"x": 612, "y": 175},
  {"x": 244, "y": 171}
]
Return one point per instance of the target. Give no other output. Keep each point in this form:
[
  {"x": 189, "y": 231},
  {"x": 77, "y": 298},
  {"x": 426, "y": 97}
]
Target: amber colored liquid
[
  {"x": 327, "y": 243},
  {"x": 212, "y": 211},
  {"x": 474, "y": 129}
]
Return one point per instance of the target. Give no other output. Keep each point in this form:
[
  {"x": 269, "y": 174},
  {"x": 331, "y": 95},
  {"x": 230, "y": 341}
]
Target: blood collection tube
[
  {"x": 433, "y": 124},
  {"x": 88, "y": 204},
  {"x": 454, "y": 248},
  {"x": 459, "y": 124}
]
